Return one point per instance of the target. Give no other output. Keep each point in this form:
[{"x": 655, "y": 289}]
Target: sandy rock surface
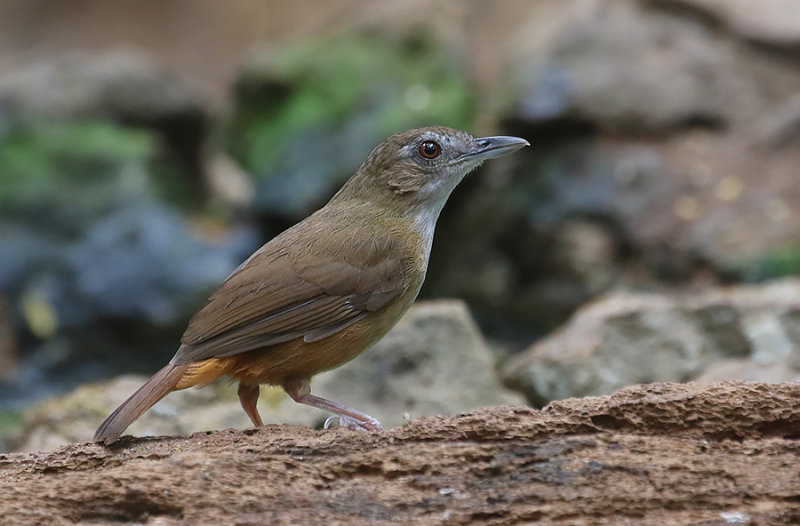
[{"x": 653, "y": 454}]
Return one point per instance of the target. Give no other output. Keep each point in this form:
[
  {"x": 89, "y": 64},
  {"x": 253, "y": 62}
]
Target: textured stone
[
  {"x": 648, "y": 455},
  {"x": 120, "y": 84},
  {"x": 627, "y": 339},
  {"x": 623, "y": 67},
  {"x": 774, "y": 22}
]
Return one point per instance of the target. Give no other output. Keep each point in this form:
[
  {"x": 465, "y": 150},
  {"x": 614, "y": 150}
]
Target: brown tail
[{"x": 156, "y": 388}]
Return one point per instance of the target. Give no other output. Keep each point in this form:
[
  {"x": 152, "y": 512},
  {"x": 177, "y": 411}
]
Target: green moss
[
  {"x": 64, "y": 161},
  {"x": 77, "y": 168},
  {"x": 385, "y": 85},
  {"x": 10, "y": 422},
  {"x": 777, "y": 264}
]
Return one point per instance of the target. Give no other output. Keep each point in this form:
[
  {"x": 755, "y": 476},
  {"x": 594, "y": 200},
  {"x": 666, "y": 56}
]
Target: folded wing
[{"x": 279, "y": 295}]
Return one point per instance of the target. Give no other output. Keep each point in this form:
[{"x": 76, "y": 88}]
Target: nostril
[{"x": 484, "y": 143}]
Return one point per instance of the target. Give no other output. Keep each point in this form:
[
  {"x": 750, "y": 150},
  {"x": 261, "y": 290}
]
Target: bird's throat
[{"x": 424, "y": 220}]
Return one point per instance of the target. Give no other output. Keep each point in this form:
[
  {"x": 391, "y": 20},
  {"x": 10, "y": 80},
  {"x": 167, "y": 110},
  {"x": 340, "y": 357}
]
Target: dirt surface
[{"x": 656, "y": 454}]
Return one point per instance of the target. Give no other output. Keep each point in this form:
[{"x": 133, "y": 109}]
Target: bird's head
[{"x": 421, "y": 167}]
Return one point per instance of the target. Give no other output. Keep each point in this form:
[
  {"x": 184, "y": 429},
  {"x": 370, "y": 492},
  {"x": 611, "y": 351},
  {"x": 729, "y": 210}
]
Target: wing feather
[{"x": 276, "y": 296}]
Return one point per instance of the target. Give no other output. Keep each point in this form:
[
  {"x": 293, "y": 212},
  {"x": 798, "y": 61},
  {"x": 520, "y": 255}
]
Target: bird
[{"x": 321, "y": 292}]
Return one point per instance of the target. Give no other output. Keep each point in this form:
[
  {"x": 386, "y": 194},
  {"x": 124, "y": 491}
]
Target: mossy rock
[
  {"x": 779, "y": 263},
  {"x": 307, "y": 115},
  {"x": 72, "y": 170}
]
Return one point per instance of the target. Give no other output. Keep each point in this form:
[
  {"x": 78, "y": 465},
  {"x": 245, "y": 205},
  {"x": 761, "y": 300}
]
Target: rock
[
  {"x": 74, "y": 418},
  {"x": 689, "y": 196},
  {"x": 749, "y": 369},
  {"x": 734, "y": 410},
  {"x": 139, "y": 262},
  {"x": 780, "y": 126},
  {"x": 652, "y": 455},
  {"x": 121, "y": 85},
  {"x": 773, "y": 22},
  {"x": 229, "y": 183},
  {"x": 735, "y": 208},
  {"x": 620, "y": 66},
  {"x": 628, "y": 338},
  {"x": 125, "y": 87},
  {"x": 144, "y": 262},
  {"x": 433, "y": 362}
]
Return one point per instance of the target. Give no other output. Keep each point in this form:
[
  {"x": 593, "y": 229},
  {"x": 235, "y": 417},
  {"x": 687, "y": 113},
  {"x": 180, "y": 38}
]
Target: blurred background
[{"x": 650, "y": 233}]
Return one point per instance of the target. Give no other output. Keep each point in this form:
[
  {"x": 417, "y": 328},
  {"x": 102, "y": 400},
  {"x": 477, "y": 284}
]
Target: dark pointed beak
[{"x": 493, "y": 147}]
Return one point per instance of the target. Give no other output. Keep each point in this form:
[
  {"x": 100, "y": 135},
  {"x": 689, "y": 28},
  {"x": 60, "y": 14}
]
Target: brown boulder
[{"x": 649, "y": 455}]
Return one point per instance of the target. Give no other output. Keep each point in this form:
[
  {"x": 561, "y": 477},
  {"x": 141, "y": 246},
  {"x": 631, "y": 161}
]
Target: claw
[
  {"x": 344, "y": 416},
  {"x": 347, "y": 422}
]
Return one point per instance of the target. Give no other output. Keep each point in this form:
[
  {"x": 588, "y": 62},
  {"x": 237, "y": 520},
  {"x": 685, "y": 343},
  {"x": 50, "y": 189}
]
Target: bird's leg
[
  {"x": 300, "y": 391},
  {"x": 248, "y": 397}
]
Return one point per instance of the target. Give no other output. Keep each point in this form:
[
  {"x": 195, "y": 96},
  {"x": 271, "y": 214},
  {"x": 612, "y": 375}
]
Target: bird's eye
[{"x": 430, "y": 149}]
